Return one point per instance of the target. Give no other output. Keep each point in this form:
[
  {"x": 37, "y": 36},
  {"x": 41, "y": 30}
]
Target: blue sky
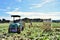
[{"x": 30, "y": 8}]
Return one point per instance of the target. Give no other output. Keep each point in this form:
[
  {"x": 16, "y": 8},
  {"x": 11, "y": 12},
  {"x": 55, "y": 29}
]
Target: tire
[
  {"x": 18, "y": 30},
  {"x": 22, "y": 28},
  {"x": 9, "y": 31}
]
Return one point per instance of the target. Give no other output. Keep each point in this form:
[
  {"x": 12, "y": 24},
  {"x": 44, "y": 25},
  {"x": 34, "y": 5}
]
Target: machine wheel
[
  {"x": 18, "y": 30},
  {"x": 22, "y": 28},
  {"x": 8, "y": 30}
]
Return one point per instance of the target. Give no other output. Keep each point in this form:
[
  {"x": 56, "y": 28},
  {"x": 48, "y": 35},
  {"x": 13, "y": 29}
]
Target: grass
[
  {"x": 56, "y": 25},
  {"x": 34, "y": 32},
  {"x": 4, "y": 27}
]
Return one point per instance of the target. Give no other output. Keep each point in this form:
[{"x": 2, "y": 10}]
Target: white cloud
[
  {"x": 52, "y": 15},
  {"x": 41, "y": 4},
  {"x": 25, "y": 14},
  {"x": 0, "y": 18}
]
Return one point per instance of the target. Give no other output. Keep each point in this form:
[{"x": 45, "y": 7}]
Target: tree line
[
  {"x": 4, "y": 21},
  {"x": 27, "y": 20}
]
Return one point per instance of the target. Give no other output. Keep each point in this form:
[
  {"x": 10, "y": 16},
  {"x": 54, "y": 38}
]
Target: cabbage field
[{"x": 34, "y": 32}]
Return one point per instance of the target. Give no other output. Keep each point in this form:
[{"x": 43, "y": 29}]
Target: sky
[{"x": 30, "y": 9}]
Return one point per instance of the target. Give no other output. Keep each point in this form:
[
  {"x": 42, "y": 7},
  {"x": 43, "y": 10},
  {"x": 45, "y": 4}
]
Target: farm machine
[{"x": 17, "y": 25}]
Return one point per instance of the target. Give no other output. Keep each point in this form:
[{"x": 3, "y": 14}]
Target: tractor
[{"x": 16, "y": 26}]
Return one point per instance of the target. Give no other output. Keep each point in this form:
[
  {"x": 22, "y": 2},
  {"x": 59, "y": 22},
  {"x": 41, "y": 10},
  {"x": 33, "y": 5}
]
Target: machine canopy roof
[{"x": 15, "y": 16}]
